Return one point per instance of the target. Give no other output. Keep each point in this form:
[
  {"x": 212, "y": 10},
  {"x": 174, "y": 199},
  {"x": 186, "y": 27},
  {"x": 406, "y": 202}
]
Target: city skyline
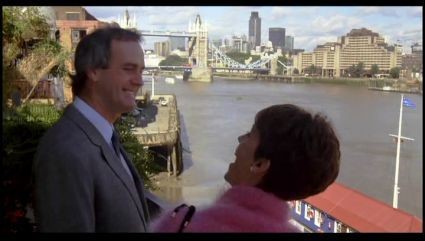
[{"x": 310, "y": 26}]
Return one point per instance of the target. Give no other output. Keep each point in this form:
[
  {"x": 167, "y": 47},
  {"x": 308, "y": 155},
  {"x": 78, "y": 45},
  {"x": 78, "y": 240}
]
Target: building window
[
  {"x": 308, "y": 212},
  {"x": 338, "y": 227},
  {"x": 298, "y": 207},
  {"x": 76, "y": 36},
  {"x": 318, "y": 218},
  {"x": 72, "y": 16}
]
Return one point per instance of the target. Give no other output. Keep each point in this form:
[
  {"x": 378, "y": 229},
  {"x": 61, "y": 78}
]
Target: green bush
[{"x": 22, "y": 129}]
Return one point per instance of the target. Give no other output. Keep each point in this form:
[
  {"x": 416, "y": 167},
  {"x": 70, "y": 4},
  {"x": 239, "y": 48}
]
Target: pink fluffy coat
[{"x": 239, "y": 209}]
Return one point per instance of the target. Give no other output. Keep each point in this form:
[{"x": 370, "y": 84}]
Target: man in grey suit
[{"x": 81, "y": 183}]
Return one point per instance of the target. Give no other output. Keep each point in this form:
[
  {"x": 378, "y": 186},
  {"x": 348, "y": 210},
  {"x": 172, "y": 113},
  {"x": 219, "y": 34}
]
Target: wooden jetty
[{"x": 158, "y": 128}]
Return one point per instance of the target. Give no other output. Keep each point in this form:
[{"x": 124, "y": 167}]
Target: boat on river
[{"x": 169, "y": 80}]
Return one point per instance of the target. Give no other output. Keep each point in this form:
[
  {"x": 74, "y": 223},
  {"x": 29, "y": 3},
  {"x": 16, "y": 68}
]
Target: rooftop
[{"x": 363, "y": 213}]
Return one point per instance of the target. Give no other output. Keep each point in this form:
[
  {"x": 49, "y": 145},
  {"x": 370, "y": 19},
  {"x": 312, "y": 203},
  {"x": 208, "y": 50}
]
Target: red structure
[{"x": 362, "y": 213}]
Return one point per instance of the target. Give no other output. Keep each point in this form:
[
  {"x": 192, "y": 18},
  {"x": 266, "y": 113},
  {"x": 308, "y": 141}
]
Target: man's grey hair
[{"x": 94, "y": 52}]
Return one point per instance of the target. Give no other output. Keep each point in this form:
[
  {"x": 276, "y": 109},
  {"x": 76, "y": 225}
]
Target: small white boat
[
  {"x": 169, "y": 80},
  {"x": 179, "y": 76}
]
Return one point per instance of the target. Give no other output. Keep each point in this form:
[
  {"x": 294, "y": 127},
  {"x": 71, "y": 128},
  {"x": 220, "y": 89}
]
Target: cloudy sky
[{"x": 310, "y": 26}]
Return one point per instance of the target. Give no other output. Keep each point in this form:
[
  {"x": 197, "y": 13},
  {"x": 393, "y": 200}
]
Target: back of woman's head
[{"x": 303, "y": 151}]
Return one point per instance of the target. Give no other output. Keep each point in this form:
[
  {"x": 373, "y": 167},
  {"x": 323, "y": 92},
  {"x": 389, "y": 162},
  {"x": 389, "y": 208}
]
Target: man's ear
[
  {"x": 93, "y": 74},
  {"x": 261, "y": 165}
]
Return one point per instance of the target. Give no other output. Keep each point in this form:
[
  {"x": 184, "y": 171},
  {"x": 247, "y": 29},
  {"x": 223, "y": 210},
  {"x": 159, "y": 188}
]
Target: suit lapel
[
  {"x": 110, "y": 157},
  {"x": 117, "y": 167},
  {"x": 139, "y": 183}
]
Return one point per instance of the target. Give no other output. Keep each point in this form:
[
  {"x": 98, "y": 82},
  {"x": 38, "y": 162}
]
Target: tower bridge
[
  {"x": 204, "y": 57},
  {"x": 156, "y": 33}
]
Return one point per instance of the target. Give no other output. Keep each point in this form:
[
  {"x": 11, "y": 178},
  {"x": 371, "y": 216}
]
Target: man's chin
[
  {"x": 130, "y": 107},
  {"x": 226, "y": 177}
]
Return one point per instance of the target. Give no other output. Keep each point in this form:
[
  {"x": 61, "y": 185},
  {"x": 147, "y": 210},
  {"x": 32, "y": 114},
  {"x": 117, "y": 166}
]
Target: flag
[{"x": 408, "y": 102}]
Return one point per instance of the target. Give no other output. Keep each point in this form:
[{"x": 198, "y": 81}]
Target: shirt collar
[{"x": 102, "y": 125}]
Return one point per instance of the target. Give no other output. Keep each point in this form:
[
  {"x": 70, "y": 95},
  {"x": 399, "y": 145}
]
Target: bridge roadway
[
  {"x": 182, "y": 34},
  {"x": 213, "y": 68}
]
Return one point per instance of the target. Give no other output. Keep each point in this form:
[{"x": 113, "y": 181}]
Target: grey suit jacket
[{"x": 81, "y": 185}]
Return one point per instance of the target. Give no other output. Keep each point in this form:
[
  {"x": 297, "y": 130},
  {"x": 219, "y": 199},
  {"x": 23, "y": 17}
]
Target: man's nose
[{"x": 139, "y": 80}]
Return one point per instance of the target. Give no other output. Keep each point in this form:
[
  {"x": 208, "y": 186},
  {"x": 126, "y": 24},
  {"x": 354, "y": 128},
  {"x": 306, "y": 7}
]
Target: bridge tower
[
  {"x": 126, "y": 21},
  {"x": 198, "y": 51}
]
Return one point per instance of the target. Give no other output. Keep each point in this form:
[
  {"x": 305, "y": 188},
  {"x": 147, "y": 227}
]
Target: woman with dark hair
[{"x": 289, "y": 154}]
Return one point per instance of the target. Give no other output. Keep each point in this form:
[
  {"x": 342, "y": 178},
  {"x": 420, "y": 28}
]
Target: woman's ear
[{"x": 260, "y": 166}]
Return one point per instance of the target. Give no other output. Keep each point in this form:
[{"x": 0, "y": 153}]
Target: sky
[{"x": 310, "y": 26}]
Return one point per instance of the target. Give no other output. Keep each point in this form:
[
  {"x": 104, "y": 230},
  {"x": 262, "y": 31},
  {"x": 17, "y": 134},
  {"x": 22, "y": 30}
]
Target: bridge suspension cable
[
  {"x": 231, "y": 63},
  {"x": 225, "y": 59}
]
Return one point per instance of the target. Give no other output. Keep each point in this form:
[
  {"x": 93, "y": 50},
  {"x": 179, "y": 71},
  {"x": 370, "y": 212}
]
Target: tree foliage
[
  {"x": 395, "y": 72},
  {"x": 22, "y": 130},
  {"x": 19, "y": 26},
  {"x": 356, "y": 70},
  {"x": 313, "y": 70},
  {"x": 296, "y": 71},
  {"x": 360, "y": 69},
  {"x": 28, "y": 51},
  {"x": 174, "y": 60},
  {"x": 374, "y": 69}
]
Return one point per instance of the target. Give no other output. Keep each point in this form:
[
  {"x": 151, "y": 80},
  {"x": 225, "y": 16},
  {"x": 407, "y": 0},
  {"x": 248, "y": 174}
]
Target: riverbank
[{"x": 373, "y": 84}]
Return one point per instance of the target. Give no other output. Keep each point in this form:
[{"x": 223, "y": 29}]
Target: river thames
[{"x": 214, "y": 114}]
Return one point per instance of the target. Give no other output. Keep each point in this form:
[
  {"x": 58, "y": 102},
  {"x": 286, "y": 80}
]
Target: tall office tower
[
  {"x": 237, "y": 43},
  {"x": 289, "y": 43},
  {"x": 177, "y": 43},
  {"x": 254, "y": 30},
  {"x": 162, "y": 48},
  {"x": 277, "y": 37}
]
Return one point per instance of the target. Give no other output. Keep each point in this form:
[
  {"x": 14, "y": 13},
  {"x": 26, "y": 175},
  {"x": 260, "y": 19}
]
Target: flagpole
[
  {"x": 397, "y": 162},
  {"x": 153, "y": 86}
]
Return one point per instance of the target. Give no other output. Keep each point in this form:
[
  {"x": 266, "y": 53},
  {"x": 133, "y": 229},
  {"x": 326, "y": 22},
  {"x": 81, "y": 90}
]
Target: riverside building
[{"x": 359, "y": 45}]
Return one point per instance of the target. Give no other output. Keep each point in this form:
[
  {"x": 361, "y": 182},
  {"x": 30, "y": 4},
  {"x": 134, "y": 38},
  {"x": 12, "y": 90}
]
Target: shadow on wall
[{"x": 187, "y": 152}]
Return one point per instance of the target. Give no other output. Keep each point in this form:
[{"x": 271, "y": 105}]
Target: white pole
[
  {"x": 153, "y": 86},
  {"x": 397, "y": 162}
]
